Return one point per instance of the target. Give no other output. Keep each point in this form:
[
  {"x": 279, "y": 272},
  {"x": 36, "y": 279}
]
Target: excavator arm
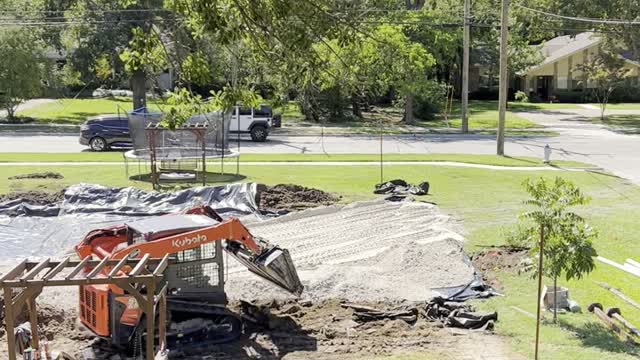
[{"x": 230, "y": 230}]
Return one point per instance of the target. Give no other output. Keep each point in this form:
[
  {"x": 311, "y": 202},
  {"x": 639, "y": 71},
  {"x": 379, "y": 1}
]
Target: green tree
[
  {"x": 380, "y": 60},
  {"x": 603, "y": 73},
  {"x": 565, "y": 238},
  {"x": 22, "y": 69}
]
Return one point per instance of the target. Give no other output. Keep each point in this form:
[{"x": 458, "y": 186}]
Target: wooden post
[
  {"x": 33, "y": 320},
  {"x": 9, "y": 318},
  {"x": 465, "y": 69},
  {"x": 162, "y": 320},
  {"x": 540, "y": 258},
  {"x": 504, "y": 80},
  {"x": 151, "y": 317}
]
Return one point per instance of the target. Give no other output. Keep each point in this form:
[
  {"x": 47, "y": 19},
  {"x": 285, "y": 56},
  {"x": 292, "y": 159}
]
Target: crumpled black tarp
[
  {"x": 460, "y": 315},
  {"x": 401, "y": 187},
  {"x": 476, "y": 289},
  {"x": 53, "y": 230}
]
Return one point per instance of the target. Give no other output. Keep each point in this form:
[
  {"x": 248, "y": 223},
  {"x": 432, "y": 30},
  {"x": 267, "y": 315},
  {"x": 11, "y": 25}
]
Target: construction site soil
[
  {"x": 296, "y": 330},
  {"x": 489, "y": 262},
  {"x": 377, "y": 253},
  {"x": 290, "y": 197},
  {"x": 38, "y": 175},
  {"x": 34, "y": 197}
]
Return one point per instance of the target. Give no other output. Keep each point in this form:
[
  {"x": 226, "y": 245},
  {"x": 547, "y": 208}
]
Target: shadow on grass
[
  {"x": 596, "y": 335},
  {"x": 629, "y": 124},
  {"x": 523, "y": 160}
]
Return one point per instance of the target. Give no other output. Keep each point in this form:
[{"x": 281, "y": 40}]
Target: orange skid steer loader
[{"x": 196, "y": 300}]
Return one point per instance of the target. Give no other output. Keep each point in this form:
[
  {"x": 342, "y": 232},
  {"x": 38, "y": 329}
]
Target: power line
[
  {"x": 582, "y": 19},
  {"x": 67, "y": 23},
  {"x": 84, "y": 10}
]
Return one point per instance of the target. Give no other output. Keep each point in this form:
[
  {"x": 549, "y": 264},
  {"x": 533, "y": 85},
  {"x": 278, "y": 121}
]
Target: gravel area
[{"x": 363, "y": 251}]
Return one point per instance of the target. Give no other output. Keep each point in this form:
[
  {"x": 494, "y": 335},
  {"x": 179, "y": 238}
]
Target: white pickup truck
[{"x": 254, "y": 121}]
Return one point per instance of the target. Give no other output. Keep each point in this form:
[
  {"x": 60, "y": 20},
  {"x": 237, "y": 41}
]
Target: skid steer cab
[{"x": 195, "y": 240}]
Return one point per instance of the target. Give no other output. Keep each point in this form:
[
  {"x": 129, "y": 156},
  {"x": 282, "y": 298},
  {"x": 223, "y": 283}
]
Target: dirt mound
[
  {"x": 499, "y": 259},
  {"x": 38, "y": 175},
  {"x": 34, "y": 197},
  {"x": 58, "y": 326},
  {"x": 490, "y": 261},
  {"x": 290, "y": 197}
]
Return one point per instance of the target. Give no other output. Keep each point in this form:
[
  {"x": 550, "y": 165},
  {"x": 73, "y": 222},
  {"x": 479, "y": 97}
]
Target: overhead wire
[{"x": 581, "y": 19}]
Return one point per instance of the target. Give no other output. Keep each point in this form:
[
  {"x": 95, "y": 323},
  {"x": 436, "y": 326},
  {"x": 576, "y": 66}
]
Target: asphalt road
[{"x": 578, "y": 140}]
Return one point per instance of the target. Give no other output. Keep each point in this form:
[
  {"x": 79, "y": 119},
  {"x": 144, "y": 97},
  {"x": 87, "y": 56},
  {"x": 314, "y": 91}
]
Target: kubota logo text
[{"x": 187, "y": 241}]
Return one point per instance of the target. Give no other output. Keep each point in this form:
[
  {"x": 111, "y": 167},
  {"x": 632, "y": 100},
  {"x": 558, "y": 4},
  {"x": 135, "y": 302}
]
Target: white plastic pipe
[
  {"x": 630, "y": 269},
  {"x": 633, "y": 263}
]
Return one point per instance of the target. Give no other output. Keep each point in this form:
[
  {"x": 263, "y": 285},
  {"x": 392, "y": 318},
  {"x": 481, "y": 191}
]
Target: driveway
[
  {"x": 27, "y": 105},
  {"x": 578, "y": 140},
  {"x": 582, "y": 140}
]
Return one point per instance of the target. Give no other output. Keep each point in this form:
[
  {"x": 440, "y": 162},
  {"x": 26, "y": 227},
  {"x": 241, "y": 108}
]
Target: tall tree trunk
[
  {"x": 555, "y": 299},
  {"x": 139, "y": 89},
  {"x": 355, "y": 106},
  {"x": 408, "y": 99},
  {"x": 11, "y": 113},
  {"x": 408, "y": 109}
]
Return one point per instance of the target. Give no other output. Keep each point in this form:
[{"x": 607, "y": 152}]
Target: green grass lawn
[
  {"x": 625, "y": 123},
  {"x": 483, "y": 116},
  {"x": 463, "y": 158},
  {"x": 487, "y": 201},
  {"x": 621, "y": 106},
  {"x": 75, "y": 111}
]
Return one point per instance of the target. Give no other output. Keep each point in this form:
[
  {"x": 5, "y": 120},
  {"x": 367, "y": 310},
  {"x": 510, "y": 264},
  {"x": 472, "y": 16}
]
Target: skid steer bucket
[{"x": 273, "y": 264}]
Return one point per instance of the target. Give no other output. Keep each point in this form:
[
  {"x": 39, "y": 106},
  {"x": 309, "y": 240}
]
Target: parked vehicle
[
  {"x": 254, "y": 121},
  {"x": 102, "y": 132}
]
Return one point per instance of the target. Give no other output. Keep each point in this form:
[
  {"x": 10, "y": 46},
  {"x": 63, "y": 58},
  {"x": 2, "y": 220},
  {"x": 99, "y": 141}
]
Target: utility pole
[
  {"x": 465, "y": 69},
  {"x": 540, "y": 257},
  {"x": 504, "y": 80}
]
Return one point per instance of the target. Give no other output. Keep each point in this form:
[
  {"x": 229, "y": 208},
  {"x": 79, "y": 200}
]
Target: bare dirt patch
[
  {"x": 34, "y": 197},
  {"x": 38, "y": 175},
  {"x": 490, "y": 261},
  {"x": 290, "y": 197},
  {"x": 57, "y": 326},
  {"x": 292, "y": 330}
]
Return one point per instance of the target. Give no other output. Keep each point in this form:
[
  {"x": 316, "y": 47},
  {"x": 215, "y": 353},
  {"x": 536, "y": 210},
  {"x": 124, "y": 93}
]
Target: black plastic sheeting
[
  {"x": 401, "y": 187},
  {"x": 476, "y": 289},
  {"x": 233, "y": 199},
  {"x": 53, "y": 230}
]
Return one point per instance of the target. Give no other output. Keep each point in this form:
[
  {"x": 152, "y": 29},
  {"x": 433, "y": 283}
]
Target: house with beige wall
[{"x": 558, "y": 70}]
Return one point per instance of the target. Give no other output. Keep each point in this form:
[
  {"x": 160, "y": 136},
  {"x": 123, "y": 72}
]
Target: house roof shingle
[{"x": 563, "y": 46}]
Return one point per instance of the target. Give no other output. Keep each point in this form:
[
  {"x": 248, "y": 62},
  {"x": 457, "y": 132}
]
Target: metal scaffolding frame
[{"x": 22, "y": 285}]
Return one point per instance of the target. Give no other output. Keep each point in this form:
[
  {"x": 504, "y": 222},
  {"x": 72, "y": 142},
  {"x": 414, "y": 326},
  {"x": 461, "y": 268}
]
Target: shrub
[
  {"x": 430, "y": 100},
  {"x": 521, "y": 96},
  {"x": 518, "y": 237}
]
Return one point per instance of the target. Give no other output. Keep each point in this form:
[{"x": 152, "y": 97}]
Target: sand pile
[{"x": 361, "y": 252}]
